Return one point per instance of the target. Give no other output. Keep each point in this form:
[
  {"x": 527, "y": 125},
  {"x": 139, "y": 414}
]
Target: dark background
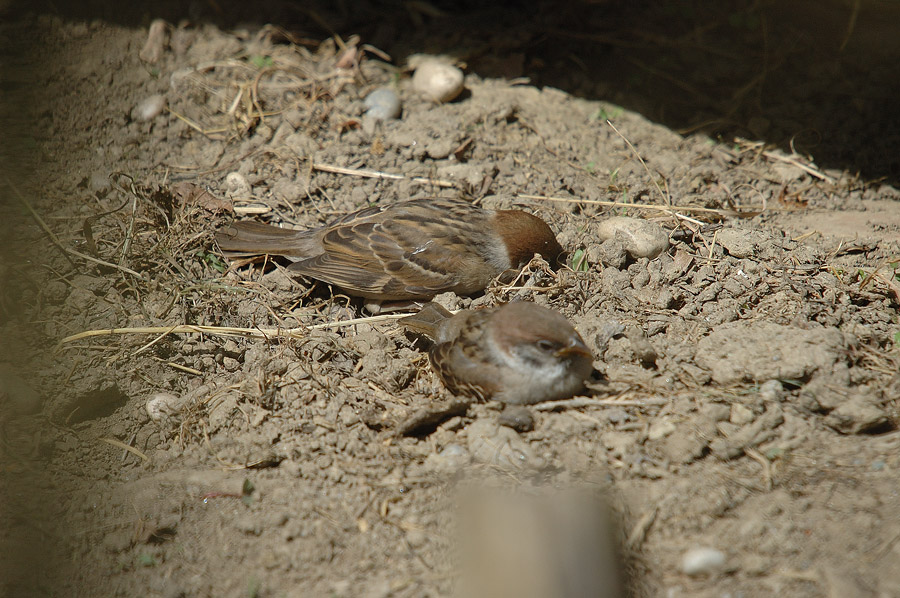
[{"x": 820, "y": 77}]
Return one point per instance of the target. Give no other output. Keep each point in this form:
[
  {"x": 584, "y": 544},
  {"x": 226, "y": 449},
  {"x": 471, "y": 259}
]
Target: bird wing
[
  {"x": 463, "y": 363},
  {"x": 410, "y": 250}
]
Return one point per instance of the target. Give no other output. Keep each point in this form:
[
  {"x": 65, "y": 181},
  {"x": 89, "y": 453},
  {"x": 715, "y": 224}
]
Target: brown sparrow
[
  {"x": 518, "y": 353},
  {"x": 409, "y": 250}
]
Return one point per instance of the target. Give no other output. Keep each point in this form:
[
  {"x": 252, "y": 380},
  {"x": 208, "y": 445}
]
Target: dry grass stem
[
  {"x": 636, "y": 206},
  {"x": 123, "y": 446},
  {"x": 639, "y": 531},
  {"x": 665, "y": 196},
  {"x": 55, "y": 240},
  {"x": 374, "y": 174},
  {"x": 794, "y": 162},
  {"x": 266, "y": 333},
  {"x": 178, "y": 366},
  {"x": 766, "y": 467}
]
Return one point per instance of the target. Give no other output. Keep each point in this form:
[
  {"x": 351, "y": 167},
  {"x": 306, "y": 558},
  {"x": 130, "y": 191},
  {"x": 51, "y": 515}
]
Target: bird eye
[{"x": 545, "y": 345}]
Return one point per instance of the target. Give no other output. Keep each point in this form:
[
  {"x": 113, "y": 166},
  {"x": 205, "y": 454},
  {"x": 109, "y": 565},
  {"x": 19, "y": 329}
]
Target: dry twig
[
  {"x": 227, "y": 331},
  {"x": 375, "y": 174}
]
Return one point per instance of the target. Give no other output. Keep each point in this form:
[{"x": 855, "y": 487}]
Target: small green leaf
[
  {"x": 260, "y": 61},
  {"x": 604, "y": 115},
  {"x": 146, "y": 560},
  {"x": 247, "y": 492},
  {"x": 213, "y": 260},
  {"x": 253, "y": 587},
  {"x": 579, "y": 261}
]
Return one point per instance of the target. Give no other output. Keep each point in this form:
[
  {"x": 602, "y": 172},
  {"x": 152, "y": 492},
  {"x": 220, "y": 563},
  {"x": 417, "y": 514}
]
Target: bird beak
[{"x": 576, "y": 347}]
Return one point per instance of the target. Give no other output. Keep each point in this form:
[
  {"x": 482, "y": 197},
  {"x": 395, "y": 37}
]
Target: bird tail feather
[
  {"x": 427, "y": 320},
  {"x": 247, "y": 238}
]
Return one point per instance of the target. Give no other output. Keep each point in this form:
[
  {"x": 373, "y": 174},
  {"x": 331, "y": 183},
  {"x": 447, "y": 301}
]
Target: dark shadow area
[{"x": 820, "y": 78}]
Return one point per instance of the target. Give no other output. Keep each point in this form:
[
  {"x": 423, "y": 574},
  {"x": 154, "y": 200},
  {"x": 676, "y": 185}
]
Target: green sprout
[
  {"x": 260, "y": 61},
  {"x": 247, "y": 492},
  {"x": 213, "y": 261},
  {"x": 579, "y": 262},
  {"x": 603, "y": 114}
]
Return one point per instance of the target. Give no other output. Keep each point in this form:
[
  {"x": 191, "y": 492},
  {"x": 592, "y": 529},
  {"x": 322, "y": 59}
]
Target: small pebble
[
  {"x": 639, "y": 237},
  {"x": 741, "y": 415},
  {"x": 383, "y": 104},
  {"x": 149, "y": 108},
  {"x": 702, "y": 561},
  {"x": 438, "y": 81},
  {"x": 157, "y": 39},
  {"x": 237, "y": 186},
  {"x": 771, "y": 391},
  {"x": 161, "y": 405},
  {"x": 660, "y": 430}
]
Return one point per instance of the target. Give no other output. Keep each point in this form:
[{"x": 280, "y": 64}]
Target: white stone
[
  {"x": 162, "y": 405},
  {"x": 237, "y": 186},
  {"x": 149, "y": 108},
  {"x": 702, "y": 561},
  {"x": 438, "y": 81}
]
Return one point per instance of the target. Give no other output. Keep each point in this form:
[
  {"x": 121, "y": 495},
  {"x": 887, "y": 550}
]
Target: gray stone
[
  {"x": 383, "y": 104},
  {"x": 640, "y": 238}
]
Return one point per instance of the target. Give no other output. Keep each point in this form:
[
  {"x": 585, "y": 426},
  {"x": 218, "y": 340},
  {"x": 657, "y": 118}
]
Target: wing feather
[
  {"x": 416, "y": 250},
  {"x": 462, "y": 363}
]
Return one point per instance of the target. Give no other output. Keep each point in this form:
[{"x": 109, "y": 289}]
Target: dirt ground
[{"x": 747, "y": 386}]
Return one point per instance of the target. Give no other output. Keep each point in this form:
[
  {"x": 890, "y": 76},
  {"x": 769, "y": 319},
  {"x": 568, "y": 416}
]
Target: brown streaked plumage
[
  {"x": 409, "y": 250},
  {"x": 518, "y": 353}
]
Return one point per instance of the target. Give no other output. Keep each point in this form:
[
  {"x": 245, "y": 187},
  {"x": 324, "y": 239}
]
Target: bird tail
[
  {"x": 246, "y": 238},
  {"x": 427, "y": 320}
]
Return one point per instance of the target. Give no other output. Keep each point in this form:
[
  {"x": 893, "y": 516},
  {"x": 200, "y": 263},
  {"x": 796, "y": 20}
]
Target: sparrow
[
  {"x": 518, "y": 353},
  {"x": 410, "y": 250}
]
